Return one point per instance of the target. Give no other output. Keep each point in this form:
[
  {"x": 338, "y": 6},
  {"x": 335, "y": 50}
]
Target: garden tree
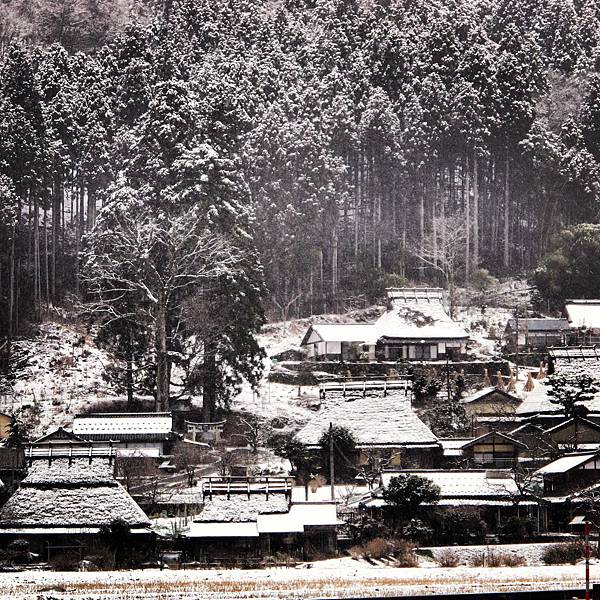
[
  {"x": 133, "y": 471},
  {"x": 254, "y": 432},
  {"x": 116, "y": 537},
  {"x": 17, "y": 435},
  {"x": 187, "y": 456},
  {"x": 344, "y": 453},
  {"x": 570, "y": 391},
  {"x": 138, "y": 265},
  {"x": 289, "y": 447},
  {"x": 406, "y": 493}
]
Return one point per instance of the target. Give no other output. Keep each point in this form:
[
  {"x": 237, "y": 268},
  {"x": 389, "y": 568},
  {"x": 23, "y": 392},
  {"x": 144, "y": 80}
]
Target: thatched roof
[{"x": 70, "y": 494}]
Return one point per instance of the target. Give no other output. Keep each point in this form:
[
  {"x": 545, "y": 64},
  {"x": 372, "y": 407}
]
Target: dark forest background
[{"x": 378, "y": 141}]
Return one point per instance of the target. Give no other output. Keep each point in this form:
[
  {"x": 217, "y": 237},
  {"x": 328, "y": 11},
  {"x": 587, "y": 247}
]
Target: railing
[
  {"x": 574, "y": 352},
  {"x": 51, "y": 451},
  {"x": 246, "y": 485},
  {"x": 365, "y": 384}
]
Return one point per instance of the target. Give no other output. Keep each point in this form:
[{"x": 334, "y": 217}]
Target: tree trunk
[
  {"x": 467, "y": 201},
  {"x": 162, "y": 367},
  {"x": 475, "y": 212},
  {"x": 209, "y": 391},
  {"x": 506, "y": 212}
]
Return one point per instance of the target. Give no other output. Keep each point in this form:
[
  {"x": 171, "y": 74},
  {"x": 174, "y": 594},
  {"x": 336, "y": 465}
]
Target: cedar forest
[{"x": 173, "y": 170}]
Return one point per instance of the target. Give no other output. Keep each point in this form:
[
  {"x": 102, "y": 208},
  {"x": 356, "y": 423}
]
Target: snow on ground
[
  {"x": 60, "y": 371},
  {"x": 530, "y": 553},
  {"x": 341, "y": 578}
]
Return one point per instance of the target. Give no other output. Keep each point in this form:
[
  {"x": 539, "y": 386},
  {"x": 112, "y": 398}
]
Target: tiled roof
[
  {"x": 373, "y": 421},
  {"x": 116, "y": 426},
  {"x": 539, "y": 324}
]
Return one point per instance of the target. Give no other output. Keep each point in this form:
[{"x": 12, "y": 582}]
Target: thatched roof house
[{"x": 64, "y": 497}]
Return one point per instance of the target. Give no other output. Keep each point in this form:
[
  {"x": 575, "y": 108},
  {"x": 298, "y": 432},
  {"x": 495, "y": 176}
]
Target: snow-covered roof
[
  {"x": 568, "y": 463},
  {"x": 373, "y": 421},
  {"x": 488, "y": 391},
  {"x": 342, "y": 332},
  {"x": 70, "y": 494},
  {"x": 240, "y": 508},
  {"x": 538, "y": 324},
  {"x": 221, "y": 530},
  {"x": 583, "y": 313},
  {"x": 494, "y": 434},
  {"x": 418, "y": 314},
  {"x": 465, "y": 483},
  {"x": 454, "y": 447},
  {"x": 123, "y": 426},
  {"x": 573, "y": 420}
]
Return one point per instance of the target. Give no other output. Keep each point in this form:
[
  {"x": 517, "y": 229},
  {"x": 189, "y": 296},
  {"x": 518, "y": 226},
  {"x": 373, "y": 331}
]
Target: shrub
[
  {"x": 460, "y": 526},
  {"x": 516, "y": 529},
  {"x": 18, "y": 550},
  {"x": 494, "y": 558},
  {"x": 448, "y": 558},
  {"x": 559, "y": 554},
  {"x": 377, "y": 548},
  {"x": 64, "y": 562},
  {"x": 404, "y": 553}
]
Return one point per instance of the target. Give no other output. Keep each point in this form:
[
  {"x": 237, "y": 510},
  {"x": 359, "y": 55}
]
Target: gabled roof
[
  {"x": 70, "y": 494},
  {"x": 342, "y": 332},
  {"x": 124, "y": 426},
  {"x": 418, "y": 314},
  {"x": 568, "y": 422},
  {"x": 492, "y": 434},
  {"x": 239, "y": 508},
  {"x": 523, "y": 428},
  {"x": 59, "y": 434},
  {"x": 488, "y": 391},
  {"x": 385, "y": 421},
  {"x": 569, "y": 463}
]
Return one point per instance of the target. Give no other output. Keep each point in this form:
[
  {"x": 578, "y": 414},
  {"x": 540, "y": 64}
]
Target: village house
[
  {"x": 139, "y": 434},
  {"x": 570, "y": 473},
  {"x": 247, "y": 520},
  {"x": 536, "y": 333},
  {"x": 62, "y": 505},
  {"x": 493, "y": 450},
  {"x": 347, "y": 342},
  {"x": 385, "y": 427},
  {"x": 584, "y": 321},
  {"x": 494, "y": 494},
  {"x": 415, "y": 327}
]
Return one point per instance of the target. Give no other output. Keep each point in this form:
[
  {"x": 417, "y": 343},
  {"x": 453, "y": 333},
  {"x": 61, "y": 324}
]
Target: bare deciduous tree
[
  {"x": 443, "y": 250},
  {"x": 187, "y": 457},
  {"x": 142, "y": 268}
]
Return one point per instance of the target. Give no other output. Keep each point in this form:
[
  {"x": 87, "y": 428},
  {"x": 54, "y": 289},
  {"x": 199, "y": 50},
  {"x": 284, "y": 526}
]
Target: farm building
[
  {"x": 140, "y": 434},
  {"x": 536, "y": 333},
  {"x": 386, "y": 426},
  {"x": 570, "y": 473},
  {"x": 64, "y": 504},
  {"x": 341, "y": 341},
  {"x": 491, "y": 402},
  {"x": 493, "y": 450},
  {"x": 415, "y": 326}
]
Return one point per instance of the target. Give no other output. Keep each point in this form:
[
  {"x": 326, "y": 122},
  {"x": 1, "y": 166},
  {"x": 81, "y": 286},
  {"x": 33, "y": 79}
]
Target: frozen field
[{"x": 337, "y": 578}]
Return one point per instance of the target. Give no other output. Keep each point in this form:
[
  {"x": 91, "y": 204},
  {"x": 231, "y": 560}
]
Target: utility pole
[
  {"x": 331, "y": 465},
  {"x": 517, "y": 344},
  {"x": 447, "y": 376}
]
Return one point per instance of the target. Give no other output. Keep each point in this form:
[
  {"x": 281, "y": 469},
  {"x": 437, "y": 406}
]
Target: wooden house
[
  {"x": 139, "y": 434},
  {"x": 491, "y": 402},
  {"x": 64, "y": 503},
  {"x": 493, "y": 493},
  {"x": 245, "y": 521},
  {"x": 584, "y": 320},
  {"x": 416, "y": 326},
  {"x": 493, "y": 450},
  {"x": 383, "y": 426},
  {"x": 536, "y": 333},
  {"x": 576, "y": 433},
  {"x": 348, "y": 342},
  {"x": 570, "y": 473}
]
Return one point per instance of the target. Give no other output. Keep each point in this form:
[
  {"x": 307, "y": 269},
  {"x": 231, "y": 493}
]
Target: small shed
[
  {"x": 347, "y": 342},
  {"x": 536, "y": 333},
  {"x": 571, "y": 472}
]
